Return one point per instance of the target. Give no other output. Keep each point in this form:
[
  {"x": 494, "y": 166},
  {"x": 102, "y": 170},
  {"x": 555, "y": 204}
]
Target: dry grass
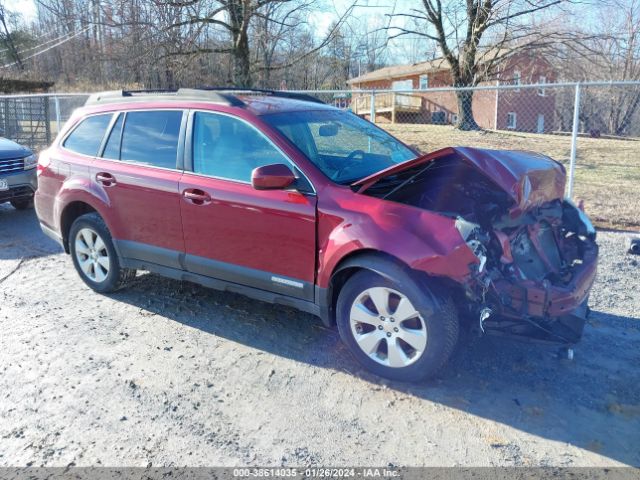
[{"x": 607, "y": 171}]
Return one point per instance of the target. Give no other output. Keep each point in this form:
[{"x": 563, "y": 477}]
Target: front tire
[
  {"x": 94, "y": 255},
  {"x": 395, "y": 327}
]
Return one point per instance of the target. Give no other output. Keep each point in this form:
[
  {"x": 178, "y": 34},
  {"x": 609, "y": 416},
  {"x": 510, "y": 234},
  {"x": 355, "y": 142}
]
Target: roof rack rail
[
  {"x": 116, "y": 96},
  {"x": 274, "y": 93},
  {"x": 222, "y": 95}
]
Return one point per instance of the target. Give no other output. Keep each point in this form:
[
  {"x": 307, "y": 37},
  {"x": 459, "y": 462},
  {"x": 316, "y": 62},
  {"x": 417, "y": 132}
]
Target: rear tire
[
  {"x": 22, "y": 203},
  {"x": 94, "y": 255},
  {"x": 395, "y": 327}
]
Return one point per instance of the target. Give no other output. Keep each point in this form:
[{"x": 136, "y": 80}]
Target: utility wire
[
  {"x": 51, "y": 47},
  {"x": 37, "y": 39},
  {"x": 40, "y": 45}
]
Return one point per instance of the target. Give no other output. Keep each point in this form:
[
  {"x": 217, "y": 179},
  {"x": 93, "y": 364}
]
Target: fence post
[
  {"x": 56, "y": 102},
  {"x": 495, "y": 119},
  {"x": 4, "y": 127},
  {"x": 372, "y": 113},
  {"x": 393, "y": 107},
  {"x": 47, "y": 123},
  {"x": 574, "y": 140}
]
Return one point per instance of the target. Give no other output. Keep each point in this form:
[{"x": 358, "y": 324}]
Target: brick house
[{"x": 530, "y": 110}]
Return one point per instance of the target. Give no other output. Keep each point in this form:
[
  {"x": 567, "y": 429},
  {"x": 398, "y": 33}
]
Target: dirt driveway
[{"x": 169, "y": 373}]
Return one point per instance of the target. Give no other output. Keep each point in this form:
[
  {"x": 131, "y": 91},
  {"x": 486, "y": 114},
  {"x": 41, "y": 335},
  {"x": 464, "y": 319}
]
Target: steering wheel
[
  {"x": 354, "y": 154},
  {"x": 349, "y": 158}
]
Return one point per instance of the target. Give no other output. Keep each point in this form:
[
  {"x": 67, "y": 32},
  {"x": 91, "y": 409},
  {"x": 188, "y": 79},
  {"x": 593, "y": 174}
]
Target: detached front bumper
[
  {"x": 542, "y": 311},
  {"x": 546, "y": 300}
]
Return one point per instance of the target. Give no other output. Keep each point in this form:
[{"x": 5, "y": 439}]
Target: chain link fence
[
  {"x": 25, "y": 121},
  {"x": 35, "y": 120},
  {"x": 592, "y": 128}
]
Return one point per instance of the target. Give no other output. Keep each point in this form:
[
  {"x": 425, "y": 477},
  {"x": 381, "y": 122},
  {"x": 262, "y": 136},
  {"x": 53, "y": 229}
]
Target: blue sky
[
  {"x": 368, "y": 12},
  {"x": 333, "y": 9},
  {"x": 28, "y": 10}
]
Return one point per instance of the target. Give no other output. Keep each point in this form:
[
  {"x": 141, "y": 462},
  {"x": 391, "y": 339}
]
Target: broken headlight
[{"x": 475, "y": 239}]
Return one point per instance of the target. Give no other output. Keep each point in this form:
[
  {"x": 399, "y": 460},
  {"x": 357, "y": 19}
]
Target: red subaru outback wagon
[{"x": 286, "y": 200}]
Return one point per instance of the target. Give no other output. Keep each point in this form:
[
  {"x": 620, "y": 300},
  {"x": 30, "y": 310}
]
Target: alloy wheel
[
  {"x": 92, "y": 255},
  {"x": 387, "y": 327}
]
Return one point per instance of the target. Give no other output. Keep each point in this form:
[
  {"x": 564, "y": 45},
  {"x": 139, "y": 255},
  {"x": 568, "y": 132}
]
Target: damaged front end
[
  {"x": 538, "y": 270},
  {"x": 536, "y": 252}
]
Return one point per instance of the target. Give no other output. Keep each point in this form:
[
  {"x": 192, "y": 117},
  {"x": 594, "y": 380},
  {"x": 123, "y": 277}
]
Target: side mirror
[{"x": 272, "y": 177}]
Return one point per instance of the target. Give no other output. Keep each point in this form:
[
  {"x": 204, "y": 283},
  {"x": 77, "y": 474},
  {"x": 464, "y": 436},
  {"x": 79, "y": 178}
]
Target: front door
[
  {"x": 138, "y": 173},
  {"x": 261, "y": 238}
]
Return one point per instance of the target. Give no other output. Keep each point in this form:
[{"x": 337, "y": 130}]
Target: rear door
[
  {"x": 139, "y": 173},
  {"x": 261, "y": 238},
  {"x": 72, "y": 159}
]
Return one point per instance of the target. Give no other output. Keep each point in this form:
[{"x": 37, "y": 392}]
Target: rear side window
[
  {"x": 151, "y": 138},
  {"x": 87, "y": 137}
]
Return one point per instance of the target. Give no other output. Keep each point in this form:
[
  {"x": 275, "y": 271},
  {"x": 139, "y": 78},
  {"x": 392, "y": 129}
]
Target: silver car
[{"x": 18, "y": 180}]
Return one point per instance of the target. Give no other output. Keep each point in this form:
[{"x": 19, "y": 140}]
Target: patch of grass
[{"x": 607, "y": 170}]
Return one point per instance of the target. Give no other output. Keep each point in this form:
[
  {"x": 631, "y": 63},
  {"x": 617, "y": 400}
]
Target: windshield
[{"x": 345, "y": 147}]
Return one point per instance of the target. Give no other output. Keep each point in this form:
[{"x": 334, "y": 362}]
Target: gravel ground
[{"x": 171, "y": 374}]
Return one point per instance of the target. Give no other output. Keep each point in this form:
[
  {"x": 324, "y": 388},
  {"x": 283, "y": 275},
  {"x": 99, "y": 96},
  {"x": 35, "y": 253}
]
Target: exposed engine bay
[{"x": 536, "y": 251}]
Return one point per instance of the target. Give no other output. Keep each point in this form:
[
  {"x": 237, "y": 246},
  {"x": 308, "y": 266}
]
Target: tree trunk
[
  {"x": 241, "y": 54},
  {"x": 622, "y": 127},
  {"x": 241, "y": 73},
  {"x": 465, "y": 111}
]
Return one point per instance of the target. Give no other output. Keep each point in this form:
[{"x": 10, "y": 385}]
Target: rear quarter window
[{"x": 87, "y": 137}]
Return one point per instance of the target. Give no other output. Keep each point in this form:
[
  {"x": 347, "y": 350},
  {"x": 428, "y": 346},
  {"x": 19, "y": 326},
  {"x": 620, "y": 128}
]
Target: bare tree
[
  {"x": 7, "y": 39},
  {"x": 475, "y": 36},
  {"x": 413, "y": 48},
  {"x": 368, "y": 39},
  {"x": 237, "y": 18},
  {"x": 618, "y": 56},
  {"x": 610, "y": 51},
  {"x": 276, "y": 36},
  {"x": 127, "y": 43}
]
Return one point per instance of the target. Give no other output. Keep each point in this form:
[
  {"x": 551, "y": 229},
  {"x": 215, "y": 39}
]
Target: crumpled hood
[{"x": 529, "y": 178}]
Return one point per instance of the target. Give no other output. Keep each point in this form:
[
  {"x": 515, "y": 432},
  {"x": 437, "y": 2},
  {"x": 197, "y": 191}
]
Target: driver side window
[{"x": 229, "y": 148}]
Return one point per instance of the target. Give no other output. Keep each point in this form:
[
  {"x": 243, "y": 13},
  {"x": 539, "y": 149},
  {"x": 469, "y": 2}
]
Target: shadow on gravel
[
  {"x": 592, "y": 402},
  {"x": 21, "y": 236}
]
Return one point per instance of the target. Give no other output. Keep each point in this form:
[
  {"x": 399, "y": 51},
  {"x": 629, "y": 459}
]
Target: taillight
[{"x": 43, "y": 162}]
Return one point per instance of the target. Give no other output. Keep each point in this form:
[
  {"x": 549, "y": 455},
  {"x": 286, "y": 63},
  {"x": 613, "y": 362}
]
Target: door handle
[
  {"x": 106, "y": 179},
  {"x": 196, "y": 196}
]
